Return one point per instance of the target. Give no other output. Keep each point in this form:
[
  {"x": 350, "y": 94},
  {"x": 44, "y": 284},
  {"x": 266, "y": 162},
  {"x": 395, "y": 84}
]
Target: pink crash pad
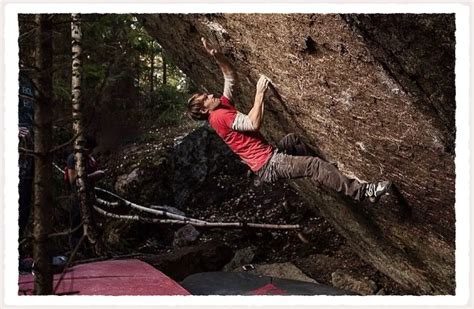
[{"x": 113, "y": 277}]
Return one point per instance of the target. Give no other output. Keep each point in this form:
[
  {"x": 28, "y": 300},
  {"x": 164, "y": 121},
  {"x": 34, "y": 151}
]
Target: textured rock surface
[
  {"x": 241, "y": 257},
  {"x": 127, "y": 182},
  {"x": 185, "y": 236},
  {"x": 279, "y": 270},
  {"x": 345, "y": 281},
  {"x": 179, "y": 264},
  {"x": 194, "y": 157},
  {"x": 373, "y": 93}
]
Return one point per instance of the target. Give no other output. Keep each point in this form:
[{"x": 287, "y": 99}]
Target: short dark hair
[{"x": 195, "y": 105}]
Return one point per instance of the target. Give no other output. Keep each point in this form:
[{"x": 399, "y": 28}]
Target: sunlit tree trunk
[
  {"x": 43, "y": 163},
  {"x": 84, "y": 194}
]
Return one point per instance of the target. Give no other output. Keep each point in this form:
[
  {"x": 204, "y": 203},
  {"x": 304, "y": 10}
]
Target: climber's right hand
[{"x": 262, "y": 85}]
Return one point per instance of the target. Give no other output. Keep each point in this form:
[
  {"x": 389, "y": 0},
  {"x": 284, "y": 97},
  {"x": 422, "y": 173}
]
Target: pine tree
[{"x": 43, "y": 174}]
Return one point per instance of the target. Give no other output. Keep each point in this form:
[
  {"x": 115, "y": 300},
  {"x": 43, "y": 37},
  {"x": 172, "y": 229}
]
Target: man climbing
[
  {"x": 93, "y": 175},
  {"x": 291, "y": 159}
]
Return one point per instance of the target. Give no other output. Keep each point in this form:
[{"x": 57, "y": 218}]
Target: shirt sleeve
[
  {"x": 242, "y": 123},
  {"x": 229, "y": 83}
]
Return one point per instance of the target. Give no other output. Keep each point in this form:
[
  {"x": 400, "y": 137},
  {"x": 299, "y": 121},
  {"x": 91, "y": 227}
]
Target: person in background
[{"x": 93, "y": 173}]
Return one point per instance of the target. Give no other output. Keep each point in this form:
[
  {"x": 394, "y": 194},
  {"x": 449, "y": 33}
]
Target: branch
[
  {"x": 65, "y": 144},
  {"x": 201, "y": 224},
  {"x": 145, "y": 209},
  {"x": 27, "y": 33},
  {"x": 58, "y": 168},
  {"x": 27, "y": 151},
  {"x": 138, "y": 218},
  {"x": 65, "y": 233},
  {"x": 107, "y": 203},
  {"x": 175, "y": 219}
]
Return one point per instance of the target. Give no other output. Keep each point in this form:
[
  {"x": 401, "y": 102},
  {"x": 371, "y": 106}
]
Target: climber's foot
[{"x": 375, "y": 190}]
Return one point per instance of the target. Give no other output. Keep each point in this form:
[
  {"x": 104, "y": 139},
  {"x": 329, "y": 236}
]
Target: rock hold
[
  {"x": 185, "y": 236},
  {"x": 242, "y": 257}
]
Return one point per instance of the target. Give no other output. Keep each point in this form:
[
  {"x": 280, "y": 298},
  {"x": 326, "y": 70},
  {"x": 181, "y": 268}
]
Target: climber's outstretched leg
[{"x": 290, "y": 167}]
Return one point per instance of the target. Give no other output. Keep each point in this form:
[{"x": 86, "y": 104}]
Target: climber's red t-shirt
[{"x": 251, "y": 147}]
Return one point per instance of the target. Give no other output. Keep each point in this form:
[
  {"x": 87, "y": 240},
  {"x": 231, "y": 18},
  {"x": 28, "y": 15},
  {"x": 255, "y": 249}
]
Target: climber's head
[{"x": 200, "y": 104}]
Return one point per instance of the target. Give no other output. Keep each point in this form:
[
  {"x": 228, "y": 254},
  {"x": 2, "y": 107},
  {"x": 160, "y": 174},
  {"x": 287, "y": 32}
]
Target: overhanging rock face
[{"x": 375, "y": 93}]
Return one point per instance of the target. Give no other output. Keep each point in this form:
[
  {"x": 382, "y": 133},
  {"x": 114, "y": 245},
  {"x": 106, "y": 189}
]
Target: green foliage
[
  {"x": 122, "y": 72},
  {"x": 166, "y": 106}
]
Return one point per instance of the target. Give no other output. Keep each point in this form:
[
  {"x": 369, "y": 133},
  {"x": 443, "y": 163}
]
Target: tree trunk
[
  {"x": 82, "y": 184},
  {"x": 368, "y": 91},
  {"x": 152, "y": 72},
  {"x": 43, "y": 200},
  {"x": 165, "y": 73},
  {"x": 137, "y": 87}
]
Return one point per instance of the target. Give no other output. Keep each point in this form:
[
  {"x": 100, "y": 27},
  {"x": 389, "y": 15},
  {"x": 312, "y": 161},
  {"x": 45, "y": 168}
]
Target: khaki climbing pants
[{"x": 294, "y": 159}]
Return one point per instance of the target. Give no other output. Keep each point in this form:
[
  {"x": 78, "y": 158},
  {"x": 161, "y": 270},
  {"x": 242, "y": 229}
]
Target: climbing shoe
[{"x": 375, "y": 190}]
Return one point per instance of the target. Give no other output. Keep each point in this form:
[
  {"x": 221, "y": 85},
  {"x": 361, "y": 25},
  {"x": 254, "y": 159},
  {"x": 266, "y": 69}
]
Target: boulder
[
  {"x": 190, "y": 164},
  {"x": 348, "y": 282},
  {"x": 174, "y": 173},
  {"x": 242, "y": 257},
  {"x": 318, "y": 265},
  {"x": 195, "y": 156},
  {"x": 374, "y": 93},
  {"x": 144, "y": 174},
  {"x": 279, "y": 270},
  {"x": 182, "y": 262},
  {"x": 128, "y": 181}
]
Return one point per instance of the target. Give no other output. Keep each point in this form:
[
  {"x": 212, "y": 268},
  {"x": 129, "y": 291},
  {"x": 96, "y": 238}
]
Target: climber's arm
[
  {"x": 256, "y": 113},
  {"x": 226, "y": 67},
  {"x": 253, "y": 121}
]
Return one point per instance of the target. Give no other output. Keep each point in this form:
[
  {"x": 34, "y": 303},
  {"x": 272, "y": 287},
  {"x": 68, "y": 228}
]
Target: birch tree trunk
[
  {"x": 43, "y": 162},
  {"x": 83, "y": 192}
]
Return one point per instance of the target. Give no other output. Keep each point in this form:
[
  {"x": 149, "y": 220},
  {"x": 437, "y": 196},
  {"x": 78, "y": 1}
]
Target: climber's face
[
  {"x": 210, "y": 102},
  {"x": 200, "y": 104}
]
